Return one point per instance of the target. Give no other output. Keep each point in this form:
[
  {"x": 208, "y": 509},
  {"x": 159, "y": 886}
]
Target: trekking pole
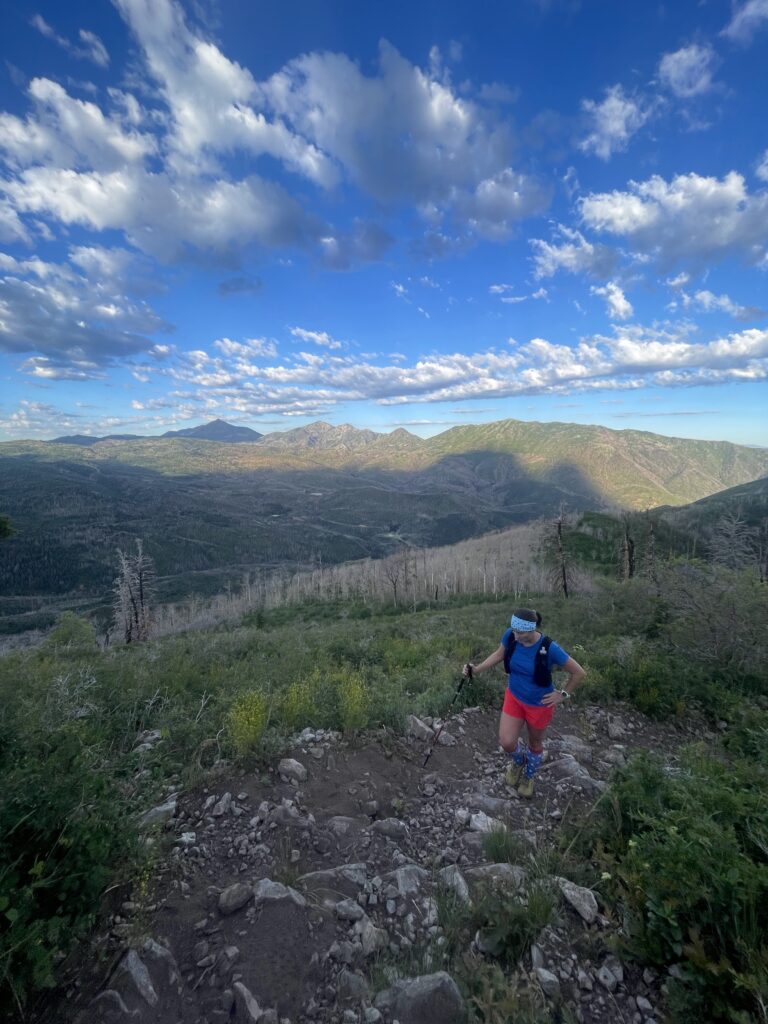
[{"x": 436, "y": 737}]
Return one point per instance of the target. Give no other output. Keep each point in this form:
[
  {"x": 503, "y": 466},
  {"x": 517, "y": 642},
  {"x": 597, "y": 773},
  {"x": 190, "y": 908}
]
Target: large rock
[
  {"x": 371, "y": 937},
  {"x": 159, "y": 815},
  {"x": 417, "y": 729},
  {"x": 548, "y": 981},
  {"x": 508, "y": 876},
  {"x": 248, "y": 1010},
  {"x": 291, "y": 817},
  {"x": 292, "y": 770},
  {"x": 392, "y": 828},
  {"x": 235, "y": 897},
  {"x": 223, "y": 805},
  {"x": 137, "y": 971},
  {"x": 344, "y": 880},
  {"x": 408, "y": 879},
  {"x": 481, "y": 822},
  {"x": 431, "y": 999},
  {"x": 267, "y": 891},
  {"x": 452, "y": 878},
  {"x": 582, "y": 900}
]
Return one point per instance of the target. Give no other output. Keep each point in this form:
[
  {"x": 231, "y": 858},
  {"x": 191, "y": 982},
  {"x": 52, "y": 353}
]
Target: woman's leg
[
  {"x": 534, "y": 759},
  {"x": 510, "y": 729}
]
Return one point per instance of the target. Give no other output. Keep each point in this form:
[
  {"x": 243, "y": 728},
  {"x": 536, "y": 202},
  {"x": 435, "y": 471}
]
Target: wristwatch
[{"x": 566, "y": 694}]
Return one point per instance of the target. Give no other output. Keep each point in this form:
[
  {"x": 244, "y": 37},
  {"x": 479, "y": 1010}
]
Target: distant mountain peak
[{"x": 217, "y": 430}]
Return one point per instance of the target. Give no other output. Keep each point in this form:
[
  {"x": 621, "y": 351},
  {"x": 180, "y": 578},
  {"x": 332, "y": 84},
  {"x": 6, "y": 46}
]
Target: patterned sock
[
  {"x": 519, "y": 756},
  {"x": 535, "y": 757}
]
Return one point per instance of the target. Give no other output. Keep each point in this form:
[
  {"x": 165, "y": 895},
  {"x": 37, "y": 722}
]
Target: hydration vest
[{"x": 542, "y": 674}]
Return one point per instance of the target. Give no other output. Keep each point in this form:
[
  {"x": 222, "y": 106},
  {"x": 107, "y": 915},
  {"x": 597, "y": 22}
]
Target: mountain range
[{"x": 208, "y": 510}]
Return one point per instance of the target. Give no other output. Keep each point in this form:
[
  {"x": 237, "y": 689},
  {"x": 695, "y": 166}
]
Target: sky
[{"x": 392, "y": 214}]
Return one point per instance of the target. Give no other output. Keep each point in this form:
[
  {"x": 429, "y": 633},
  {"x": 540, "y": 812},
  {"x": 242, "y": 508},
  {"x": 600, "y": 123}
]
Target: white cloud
[
  {"x": 575, "y": 254},
  {"x": 211, "y": 98},
  {"x": 688, "y": 71},
  {"x": 631, "y": 357},
  {"x": 709, "y": 302},
  {"x": 498, "y": 203},
  {"x": 76, "y": 324},
  {"x": 612, "y": 122},
  {"x": 762, "y": 168},
  {"x": 618, "y": 305},
  {"x": 91, "y": 49},
  {"x": 747, "y": 20},
  {"x": 248, "y": 349},
  {"x": 691, "y": 218},
  {"x": 69, "y": 132},
  {"x": 162, "y": 215},
  {"x": 316, "y": 337}
]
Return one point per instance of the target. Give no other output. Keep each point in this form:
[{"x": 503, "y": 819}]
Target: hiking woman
[{"x": 531, "y": 697}]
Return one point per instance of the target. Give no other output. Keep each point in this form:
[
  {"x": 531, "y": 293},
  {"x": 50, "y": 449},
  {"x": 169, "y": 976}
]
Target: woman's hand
[
  {"x": 468, "y": 670},
  {"x": 553, "y": 699}
]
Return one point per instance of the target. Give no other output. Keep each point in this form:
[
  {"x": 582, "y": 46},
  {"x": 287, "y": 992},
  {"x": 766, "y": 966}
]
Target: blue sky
[{"x": 405, "y": 214}]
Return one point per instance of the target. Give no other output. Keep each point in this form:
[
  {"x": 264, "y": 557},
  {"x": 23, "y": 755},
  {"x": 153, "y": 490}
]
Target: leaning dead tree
[{"x": 133, "y": 594}]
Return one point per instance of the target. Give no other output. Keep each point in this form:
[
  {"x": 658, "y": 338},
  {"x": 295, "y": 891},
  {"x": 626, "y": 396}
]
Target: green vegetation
[{"x": 72, "y": 787}]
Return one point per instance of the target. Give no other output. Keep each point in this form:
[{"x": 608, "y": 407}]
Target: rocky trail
[{"x": 281, "y": 898}]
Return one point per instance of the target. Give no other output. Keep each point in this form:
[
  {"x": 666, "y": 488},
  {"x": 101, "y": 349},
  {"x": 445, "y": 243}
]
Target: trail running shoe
[
  {"x": 513, "y": 774},
  {"x": 525, "y": 789}
]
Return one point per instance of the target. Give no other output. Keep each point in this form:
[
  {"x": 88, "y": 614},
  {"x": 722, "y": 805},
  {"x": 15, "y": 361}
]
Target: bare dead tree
[
  {"x": 732, "y": 542},
  {"x": 133, "y": 594},
  {"x": 561, "y": 573},
  {"x": 392, "y": 569},
  {"x": 627, "y": 551}
]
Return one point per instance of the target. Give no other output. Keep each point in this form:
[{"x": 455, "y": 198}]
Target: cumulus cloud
[
  {"x": 75, "y": 324},
  {"x": 708, "y": 302},
  {"x": 572, "y": 252},
  {"x": 316, "y": 337},
  {"x": 747, "y": 20},
  {"x": 762, "y": 168},
  {"x": 632, "y": 356},
  {"x": 90, "y": 48},
  {"x": 69, "y": 132},
  {"x": 612, "y": 122},
  {"x": 688, "y": 71},
  {"x": 165, "y": 216},
  {"x": 618, "y": 305},
  {"x": 692, "y": 218}
]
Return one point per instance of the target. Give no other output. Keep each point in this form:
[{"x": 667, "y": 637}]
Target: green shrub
[
  {"x": 297, "y": 707},
  {"x": 247, "y": 720},
  {"x": 63, "y": 828},
  {"x": 353, "y": 701},
  {"x": 685, "y": 857},
  {"x": 71, "y": 632}
]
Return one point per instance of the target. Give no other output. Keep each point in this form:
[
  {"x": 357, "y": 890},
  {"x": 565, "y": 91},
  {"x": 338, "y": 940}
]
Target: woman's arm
[
  {"x": 490, "y": 661},
  {"x": 576, "y": 673}
]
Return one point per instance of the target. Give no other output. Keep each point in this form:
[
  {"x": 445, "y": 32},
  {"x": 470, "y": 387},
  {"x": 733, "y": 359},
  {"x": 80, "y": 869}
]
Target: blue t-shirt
[{"x": 522, "y": 666}]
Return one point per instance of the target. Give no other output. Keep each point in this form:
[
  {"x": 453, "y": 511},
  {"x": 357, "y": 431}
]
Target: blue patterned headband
[{"x": 522, "y": 625}]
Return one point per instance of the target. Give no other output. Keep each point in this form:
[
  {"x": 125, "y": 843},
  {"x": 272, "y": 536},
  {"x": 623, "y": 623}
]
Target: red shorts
[{"x": 537, "y": 716}]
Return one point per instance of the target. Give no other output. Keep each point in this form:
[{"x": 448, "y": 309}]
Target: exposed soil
[{"x": 309, "y": 951}]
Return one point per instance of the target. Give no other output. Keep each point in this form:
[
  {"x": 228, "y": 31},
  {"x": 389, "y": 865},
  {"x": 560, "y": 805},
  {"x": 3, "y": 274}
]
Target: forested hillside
[{"x": 209, "y": 512}]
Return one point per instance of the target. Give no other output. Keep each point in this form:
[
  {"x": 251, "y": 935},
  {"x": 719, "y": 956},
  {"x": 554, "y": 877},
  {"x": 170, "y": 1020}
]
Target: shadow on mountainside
[
  {"x": 70, "y": 517},
  {"x": 283, "y": 896}
]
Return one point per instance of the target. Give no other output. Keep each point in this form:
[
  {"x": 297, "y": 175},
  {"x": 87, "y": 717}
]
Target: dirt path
[{"x": 278, "y": 898}]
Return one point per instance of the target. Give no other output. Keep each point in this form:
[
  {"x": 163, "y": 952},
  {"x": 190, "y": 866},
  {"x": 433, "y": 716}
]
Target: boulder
[
  {"x": 292, "y": 770},
  {"x": 234, "y": 898},
  {"x": 392, "y": 828},
  {"x": 159, "y": 815},
  {"x": 431, "y": 999},
  {"x": 581, "y": 899},
  {"x": 267, "y": 891}
]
